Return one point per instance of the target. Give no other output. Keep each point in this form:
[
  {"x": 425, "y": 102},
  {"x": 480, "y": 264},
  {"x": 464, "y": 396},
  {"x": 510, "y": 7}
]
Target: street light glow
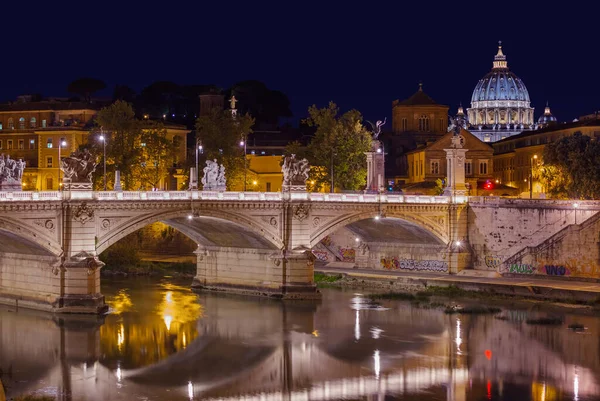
[
  {"x": 379, "y": 150},
  {"x": 102, "y": 138},
  {"x": 457, "y": 243},
  {"x": 63, "y": 143},
  {"x": 575, "y": 205},
  {"x": 241, "y": 143}
]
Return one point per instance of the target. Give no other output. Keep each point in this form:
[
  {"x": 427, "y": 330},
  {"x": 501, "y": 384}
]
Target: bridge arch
[
  {"x": 12, "y": 232},
  {"x": 242, "y": 231},
  {"x": 427, "y": 226}
]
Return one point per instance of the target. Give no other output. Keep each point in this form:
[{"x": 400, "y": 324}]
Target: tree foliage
[
  {"x": 85, "y": 87},
  {"x": 220, "y": 135},
  {"x": 571, "y": 168},
  {"x": 139, "y": 149},
  {"x": 341, "y": 140}
]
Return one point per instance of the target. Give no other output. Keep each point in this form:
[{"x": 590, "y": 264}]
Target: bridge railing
[{"x": 222, "y": 196}]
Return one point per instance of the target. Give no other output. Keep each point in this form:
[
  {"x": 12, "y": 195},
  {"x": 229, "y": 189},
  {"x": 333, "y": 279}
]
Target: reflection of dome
[
  {"x": 546, "y": 118},
  {"x": 500, "y": 101}
]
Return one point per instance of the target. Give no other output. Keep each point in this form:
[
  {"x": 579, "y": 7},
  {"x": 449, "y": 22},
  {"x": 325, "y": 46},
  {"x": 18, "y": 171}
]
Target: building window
[
  {"x": 483, "y": 168},
  {"x": 43, "y": 123},
  {"x": 21, "y": 144},
  {"x": 11, "y": 124},
  {"x": 49, "y": 183},
  {"x": 435, "y": 167},
  {"x": 49, "y": 161},
  {"x": 49, "y": 143},
  {"x": 423, "y": 123},
  {"x": 32, "y": 144},
  {"x": 468, "y": 167},
  {"x": 22, "y": 123},
  {"x": 33, "y": 122},
  {"x": 421, "y": 170},
  {"x": 268, "y": 187},
  {"x": 9, "y": 144},
  {"x": 0, "y": 126},
  {"x": 0, "y": 144},
  {"x": 404, "y": 124}
]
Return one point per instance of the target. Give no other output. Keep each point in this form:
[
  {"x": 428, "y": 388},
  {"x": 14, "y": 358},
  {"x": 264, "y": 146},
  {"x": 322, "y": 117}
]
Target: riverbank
[{"x": 578, "y": 293}]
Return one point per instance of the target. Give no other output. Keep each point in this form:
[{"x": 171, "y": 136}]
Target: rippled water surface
[{"x": 162, "y": 341}]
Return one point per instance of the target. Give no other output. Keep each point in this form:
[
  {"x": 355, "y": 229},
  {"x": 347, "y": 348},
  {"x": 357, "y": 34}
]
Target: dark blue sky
[{"x": 361, "y": 56}]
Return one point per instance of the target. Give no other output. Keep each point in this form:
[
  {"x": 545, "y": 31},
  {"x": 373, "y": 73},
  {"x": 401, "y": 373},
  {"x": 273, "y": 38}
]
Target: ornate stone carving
[
  {"x": 214, "y": 176},
  {"x": 316, "y": 221},
  {"x": 273, "y": 221},
  {"x": 295, "y": 172},
  {"x": 376, "y": 128},
  {"x": 11, "y": 173},
  {"x": 48, "y": 224},
  {"x": 83, "y": 213},
  {"x": 300, "y": 212},
  {"x": 105, "y": 225},
  {"x": 78, "y": 169}
]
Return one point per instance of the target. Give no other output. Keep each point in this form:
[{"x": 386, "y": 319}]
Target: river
[{"x": 162, "y": 341}]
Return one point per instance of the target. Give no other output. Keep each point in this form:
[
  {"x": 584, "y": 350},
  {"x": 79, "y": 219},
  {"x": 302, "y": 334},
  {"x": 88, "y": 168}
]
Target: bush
[{"x": 120, "y": 255}]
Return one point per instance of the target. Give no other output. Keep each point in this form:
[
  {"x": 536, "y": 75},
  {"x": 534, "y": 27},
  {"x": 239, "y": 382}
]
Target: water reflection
[{"x": 163, "y": 342}]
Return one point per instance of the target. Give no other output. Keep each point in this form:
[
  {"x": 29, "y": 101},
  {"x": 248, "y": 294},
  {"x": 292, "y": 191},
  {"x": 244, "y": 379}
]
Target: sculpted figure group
[
  {"x": 295, "y": 172},
  {"x": 11, "y": 170},
  {"x": 214, "y": 176},
  {"x": 79, "y": 166}
]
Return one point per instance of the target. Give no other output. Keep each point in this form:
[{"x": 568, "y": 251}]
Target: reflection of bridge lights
[
  {"x": 376, "y": 332},
  {"x": 357, "y": 327},
  {"x": 120, "y": 337},
  {"x": 119, "y": 374},
  {"x": 190, "y": 390},
  {"x": 376, "y": 363},
  {"x": 458, "y": 337},
  {"x": 315, "y": 333},
  {"x": 169, "y": 296},
  {"x": 576, "y": 386},
  {"x": 168, "y": 319},
  {"x": 184, "y": 340}
]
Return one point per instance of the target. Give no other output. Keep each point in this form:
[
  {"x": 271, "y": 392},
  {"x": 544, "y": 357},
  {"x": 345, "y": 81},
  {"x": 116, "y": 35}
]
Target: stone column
[
  {"x": 455, "y": 161},
  {"x": 458, "y": 252},
  {"x": 375, "y": 167},
  {"x": 80, "y": 268},
  {"x": 193, "y": 179},
  {"x": 117, "y": 186}
]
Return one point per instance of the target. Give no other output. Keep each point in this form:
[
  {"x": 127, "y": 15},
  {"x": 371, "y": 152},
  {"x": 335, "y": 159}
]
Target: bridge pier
[{"x": 264, "y": 272}]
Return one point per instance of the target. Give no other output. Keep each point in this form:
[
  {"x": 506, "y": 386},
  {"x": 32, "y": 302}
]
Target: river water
[{"x": 162, "y": 341}]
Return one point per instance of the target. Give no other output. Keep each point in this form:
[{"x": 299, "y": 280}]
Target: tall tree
[
  {"x": 220, "y": 135},
  {"x": 85, "y": 87},
  {"x": 571, "y": 167},
  {"x": 156, "y": 158},
  {"x": 124, "y": 92},
  {"x": 340, "y": 141}
]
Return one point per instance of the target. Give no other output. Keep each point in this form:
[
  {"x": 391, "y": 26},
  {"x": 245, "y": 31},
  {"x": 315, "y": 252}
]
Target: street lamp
[
  {"x": 244, "y": 143},
  {"x": 575, "y": 206},
  {"x": 199, "y": 148},
  {"x": 61, "y": 143},
  {"x": 531, "y": 176},
  {"x": 103, "y": 139}
]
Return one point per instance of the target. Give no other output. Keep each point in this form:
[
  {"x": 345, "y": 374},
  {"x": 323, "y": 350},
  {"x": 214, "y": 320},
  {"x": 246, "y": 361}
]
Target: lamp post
[
  {"x": 531, "y": 176},
  {"x": 243, "y": 143},
  {"x": 61, "y": 143},
  {"x": 199, "y": 148},
  {"x": 103, "y": 139},
  {"x": 332, "y": 182},
  {"x": 575, "y": 206}
]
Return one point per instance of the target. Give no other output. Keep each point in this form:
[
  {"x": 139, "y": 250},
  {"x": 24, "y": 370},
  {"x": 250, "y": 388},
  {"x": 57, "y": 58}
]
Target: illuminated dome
[
  {"x": 500, "y": 103},
  {"x": 546, "y": 118}
]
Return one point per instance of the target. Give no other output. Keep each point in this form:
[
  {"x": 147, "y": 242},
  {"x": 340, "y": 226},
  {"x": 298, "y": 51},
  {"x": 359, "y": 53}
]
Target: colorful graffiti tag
[
  {"x": 553, "y": 270},
  {"x": 521, "y": 269},
  {"x": 493, "y": 261},
  {"x": 323, "y": 256},
  {"x": 348, "y": 254},
  {"x": 394, "y": 263},
  {"x": 326, "y": 241}
]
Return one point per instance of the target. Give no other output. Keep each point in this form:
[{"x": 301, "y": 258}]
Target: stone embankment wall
[{"x": 523, "y": 237}]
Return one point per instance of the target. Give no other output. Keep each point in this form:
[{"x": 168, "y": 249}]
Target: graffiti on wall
[
  {"x": 326, "y": 241},
  {"x": 493, "y": 261},
  {"x": 554, "y": 270},
  {"x": 348, "y": 254},
  {"x": 323, "y": 256},
  {"x": 517, "y": 268},
  {"x": 394, "y": 263}
]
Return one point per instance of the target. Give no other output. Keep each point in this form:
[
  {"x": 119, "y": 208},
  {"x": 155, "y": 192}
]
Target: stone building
[
  {"x": 416, "y": 122},
  {"x": 33, "y": 130},
  {"x": 515, "y": 157},
  {"x": 427, "y": 165},
  {"x": 500, "y": 104}
]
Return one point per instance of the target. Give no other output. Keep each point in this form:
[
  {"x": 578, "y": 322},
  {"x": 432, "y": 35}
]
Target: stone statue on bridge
[
  {"x": 11, "y": 173},
  {"x": 295, "y": 173},
  {"x": 78, "y": 169},
  {"x": 214, "y": 176}
]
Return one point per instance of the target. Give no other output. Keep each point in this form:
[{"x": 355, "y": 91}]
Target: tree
[
  {"x": 340, "y": 141},
  {"x": 220, "y": 135},
  {"x": 124, "y": 92},
  {"x": 85, "y": 87},
  {"x": 571, "y": 167},
  {"x": 139, "y": 149}
]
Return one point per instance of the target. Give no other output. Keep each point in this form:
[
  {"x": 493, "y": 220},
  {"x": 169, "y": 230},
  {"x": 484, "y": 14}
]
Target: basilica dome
[
  {"x": 547, "y": 118},
  {"x": 500, "y": 102}
]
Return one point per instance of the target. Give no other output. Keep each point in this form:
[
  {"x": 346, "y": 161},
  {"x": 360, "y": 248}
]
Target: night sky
[{"x": 362, "y": 56}]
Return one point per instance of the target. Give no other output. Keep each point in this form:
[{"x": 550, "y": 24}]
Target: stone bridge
[{"x": 254, "y": 242}]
